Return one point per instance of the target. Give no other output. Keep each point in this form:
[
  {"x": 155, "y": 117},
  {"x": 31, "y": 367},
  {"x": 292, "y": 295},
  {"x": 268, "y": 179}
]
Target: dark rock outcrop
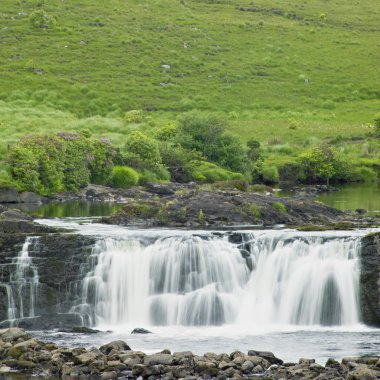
[
  {"x": 225, "y": 208},
  {"x": 370, "y": 279},
  {"x": 59, "y": 259}
]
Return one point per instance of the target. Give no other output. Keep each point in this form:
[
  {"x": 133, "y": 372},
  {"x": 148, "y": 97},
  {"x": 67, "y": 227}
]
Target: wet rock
[
  {"x": 14, "y": 333},
  {"x": 140, "y": 330},
  {"x": 93, "y": 354},
  {"x": 247, "y": 366},
  {"x": 269, "y": 356},
  {"x": 80, "y": 330},
  {"x": 117, "y": 346},
  {"x": 165, "y": 359}
]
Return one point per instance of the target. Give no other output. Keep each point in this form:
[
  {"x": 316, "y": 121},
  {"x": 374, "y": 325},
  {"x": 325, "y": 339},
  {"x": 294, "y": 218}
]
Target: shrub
[
  {"x": 363, "y": 174},
  {"x": 134, "y": 116},
  {"x": 255, "y": 211},
  {"x": 123, "y": 177},
  {"x": 147, "y": 176},
  {"x": 41, "y": 19},
  {"x": 67, "y": 161},
  {"x": 145, "y": 148},
  {"x": 209, "y": 172},
  {"x": 318, "y": 164},
  {"x": 279, "y": 207},
  {"x": 180, "y": 162},
  {"x": 205, "y": 133},
  {"x": 270, "y": 175},
  {"x": 167, "y": 132}
]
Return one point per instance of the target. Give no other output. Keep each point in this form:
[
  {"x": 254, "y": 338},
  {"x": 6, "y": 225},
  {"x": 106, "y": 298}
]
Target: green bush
[
  {"x": 279, "y": 207},
  {"x": 41, "y": 19},
  {"x": 270, "y": 175},
  {"x": 256, "y": 213},
  {"x": 124, "y": 177},
  {"x": 134, "y": 116},
  {"x": 205, "y": 133},
  {"x": 147, "y": 176},
  {"x": 363, "y": 174},
  {"x": 145, "y": 147},
  {"x": 166, "y": 132},
  {"x": 318, "y": 164},
  {"x": 209, "y": 172},
  {"x": 67, "y": 161},
  {"x": 180, "y": 162}
]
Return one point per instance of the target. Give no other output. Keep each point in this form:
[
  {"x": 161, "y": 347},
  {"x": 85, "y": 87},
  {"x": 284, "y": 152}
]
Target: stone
[
  {"x": 89, "y": 356},
  {"x": 165, "y": 359},
  {"x": 269, "y": 356},
  {"x": 140, "y": 330},
  {"x": 247, "y": 366},
  {"x": 117, "y": 345},
  {"x": 13, "y": 333},
  {"x": 108, "y": 375},
  {"x": 363, "y": 373}
]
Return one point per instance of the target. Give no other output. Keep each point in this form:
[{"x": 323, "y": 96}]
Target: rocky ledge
[
  {"x": 198, "y": 208},
  {"x": 21, "y": 353}
]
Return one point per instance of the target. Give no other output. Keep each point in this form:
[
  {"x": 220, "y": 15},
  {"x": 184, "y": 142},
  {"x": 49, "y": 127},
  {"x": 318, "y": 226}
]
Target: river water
[{"x": 292, "y": 293}]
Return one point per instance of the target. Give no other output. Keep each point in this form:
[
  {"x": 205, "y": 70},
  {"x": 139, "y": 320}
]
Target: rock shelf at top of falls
[
  {"x": 218, "y": 208},
  {"x": 21, "y": 353}
]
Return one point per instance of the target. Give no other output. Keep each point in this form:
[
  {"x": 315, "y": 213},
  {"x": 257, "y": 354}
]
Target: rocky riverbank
[
  {"x": 21, "y": 353},
  {"x": 219, "y": 208}
]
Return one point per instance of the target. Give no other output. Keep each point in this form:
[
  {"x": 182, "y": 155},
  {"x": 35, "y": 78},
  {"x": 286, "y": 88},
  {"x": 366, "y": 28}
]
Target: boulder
[
  {"x": 117, "y": 346},
  {"x": 140, "y": 330}
]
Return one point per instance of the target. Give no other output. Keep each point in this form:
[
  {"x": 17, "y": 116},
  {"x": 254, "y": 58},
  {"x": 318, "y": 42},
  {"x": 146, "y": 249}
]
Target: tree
[
  {"x": 205, "y": 133},
  {"x": 318, "y": 164}
]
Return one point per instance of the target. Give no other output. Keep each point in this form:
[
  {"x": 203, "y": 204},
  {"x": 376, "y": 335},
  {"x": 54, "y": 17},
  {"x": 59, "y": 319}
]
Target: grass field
[{"x": 283, "y": 72}]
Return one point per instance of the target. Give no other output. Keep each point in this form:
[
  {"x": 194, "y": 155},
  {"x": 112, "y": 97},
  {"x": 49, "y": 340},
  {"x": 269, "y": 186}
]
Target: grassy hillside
[{"x": 287, "y": 70}]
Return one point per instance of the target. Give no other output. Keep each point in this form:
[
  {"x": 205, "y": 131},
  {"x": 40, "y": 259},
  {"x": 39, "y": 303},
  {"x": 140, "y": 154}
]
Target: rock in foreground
[{"x": 21, "y": 353}]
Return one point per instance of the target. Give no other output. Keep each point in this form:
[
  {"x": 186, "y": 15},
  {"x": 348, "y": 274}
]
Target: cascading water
[
  {"x": 288, "y": 279},
  {"x": 302, "y": 280},
  {"x": 177, "y": 280},
  {"x": 23, "y": 280}
]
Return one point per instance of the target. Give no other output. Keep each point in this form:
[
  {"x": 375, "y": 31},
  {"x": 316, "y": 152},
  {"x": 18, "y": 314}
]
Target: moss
[{"x": 201, "y": 217}]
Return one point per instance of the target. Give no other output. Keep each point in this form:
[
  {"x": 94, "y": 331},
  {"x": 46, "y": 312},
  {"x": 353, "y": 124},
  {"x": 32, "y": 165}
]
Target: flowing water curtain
[
  {"x": 176, "y": 280},
  {"x": 22, "y": 289},
  {"x": 303, "y": 280},
  {"x": 288, "y": 279}
]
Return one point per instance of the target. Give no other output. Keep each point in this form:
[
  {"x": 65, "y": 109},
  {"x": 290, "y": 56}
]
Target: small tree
[{"x": 318, "y": 164}]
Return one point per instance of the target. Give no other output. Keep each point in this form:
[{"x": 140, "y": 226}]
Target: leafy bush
[
  {"x": 124, "y": 177},
  {"x": 41, "y": 19},
  {"x": 279, "y": 207},
  {"x": 67, "y": 161},
  {"x": 208, "y": 172},
  {"x": 147, "y": 176},
  {"x": 180, "y": 162},
  {"x": 166, "y": 132},
  {"x": 270, "y": 175},
  {"x": 134, "y": 116},
  {"x": 254, "y": 210},
  {"x": 318, "y": 164},
  {"x": 363, "y": 174},
  {"x": 146, "y": 148},
  {"x": 205, "y": 133}
]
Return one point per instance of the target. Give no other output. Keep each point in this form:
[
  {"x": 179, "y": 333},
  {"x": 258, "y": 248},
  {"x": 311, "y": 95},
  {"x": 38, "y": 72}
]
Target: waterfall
[
  {"x": 302, "y": 280},
  {"x": 177, "y": 280},
  {"x": 22, "y": 289},
  {"x": 272, "y": 278}
]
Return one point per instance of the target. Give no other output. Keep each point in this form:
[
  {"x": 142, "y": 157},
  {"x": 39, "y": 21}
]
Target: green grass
[{"x": 248, "y": 61}]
